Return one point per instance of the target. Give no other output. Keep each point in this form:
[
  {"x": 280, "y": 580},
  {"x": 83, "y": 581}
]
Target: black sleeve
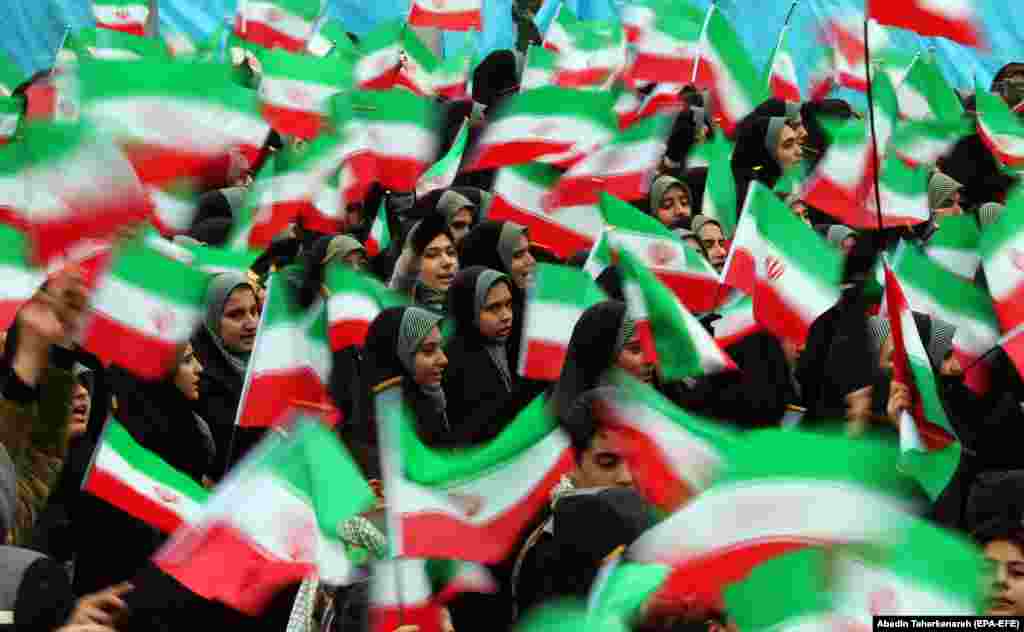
[{"x": 44, "y": 599}]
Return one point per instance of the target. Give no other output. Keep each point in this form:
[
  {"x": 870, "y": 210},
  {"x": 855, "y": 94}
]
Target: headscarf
[
  {"x": 700, "y": 221},
  {"x": 483, "y": 245},
  {"x": 771, "y": 138},
  {"x": 989, "y": 213},
  {"x": 508, "y": 242},
  {"x": 466, "y": 300},
  {"x": 342, "y": 246},
  {"x": 597, "y": 339},
  {"x": 451, "y": 203},
  {"x": 217, "y": 294},
  {"x": 405, "y": 276},
  {"x": 416, "y": 325},
  {"x": 940, "y": 190},
  {"x": 660, "y": 187},
  {"x": 837, "y": 233},
  {"x": 8, "y": 491}
]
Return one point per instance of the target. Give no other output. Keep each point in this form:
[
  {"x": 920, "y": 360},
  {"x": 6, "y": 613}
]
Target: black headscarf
[
  {"x": 751, "y": 159},
  {"x": 480, "y": 246},
  {"x": 495, "y": 78}
]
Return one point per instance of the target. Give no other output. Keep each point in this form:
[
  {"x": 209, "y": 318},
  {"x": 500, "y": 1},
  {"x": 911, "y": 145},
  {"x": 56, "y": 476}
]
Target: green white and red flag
[
  {"x": 68, "y": 185},
  {"x": 380, "y": 62},
  {"x": 798, "y": 271},
  {"x": 842, "y": 182},
  {"x": 920, "y": 143},
  {"x": 756, "y": 603},
  {"x": 291, "y": 359},
  {"x": 174, "y": 119},
  {"x": 822, "y": 76},
  {"x": 10, "y": 117},
  {"x": 287, "y": 24},
  {"x": 557, "y": 37},
  {"x": 719, "y": 201},
  {"x": 924, "y": 93},
  {"x": 467, "y": 504},
  {"x": 354, "y": 300},
  {"x": 522, "y": 195},
  {"x": 260, "y": 218},
  {"x": 954, "y": 245},
  {"x": 746, "y": 252},
  {"x": 685, "y": 271},
  {"x": 442, "y": 174},
  {"x": 623, "y": 589},
  {"x": 449, "y": 15},
  {"x": 379, "y": 239},
  {"x": 670, "y": 335},
  {"x": 1000, "y": 129},
  {"x": 664, "y": 98},
  {"x": 135, "y": 308},
  {"x": 933, "y": 290},
  {"x": 673, "y": 456},
  {"x": 451, "y": 80},
  {"x": 137, "y": 481},
  {"x": 621, "y": 168},
  {"x": 419, "y": 65},
  {"x": 395, "y": 137},
  {"x": 639, "y": 17},
  {"x": 295, "y": 90},
  {"x": 408, "y": 591},
  {"x": 840, "y": 491},
  {"x": 173, "y": 209},
  {"x": 55, "y": 98},
  {"x": 128, "y": 16},
  {"x": 736, "y": 323},
  {"x": 667, "y": 49},
  {"x": 845, "y": 35},
  {"x": 101, "y": 43},
  {"x": 11, "y": 76},
  {"x": 539, "y": 70},
  {"x": 545, "y": 124},
  {"x": 272, "y": 522},
  {"x": 554, "y": 304},
  {"x": 903, "y": 191},
  {"x": 21, "y": 280},
  {"x": 1002, "y": 256},
  {"x": 596, "y": 53},
  {"x": 781, "y": 76},
  {"x": 953, "y": 19},
  {"x": 331, "y": 39},
  {"x": 929, "y": 446}
]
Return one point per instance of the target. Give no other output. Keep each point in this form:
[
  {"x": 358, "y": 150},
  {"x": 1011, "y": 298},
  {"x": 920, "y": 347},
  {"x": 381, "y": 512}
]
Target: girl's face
[
  {"x": 787, "y": 150},
  {"x": 430, "y": 361},
  {"x": 439, "y": 263},
  {"x": 674, "y": 206},
  {"x": 461, "y": 224},
  {"x": 633, "y": 361},
  {"x": 239, "y": 320},
  {"x": 187, "y": 376},
  {"x": 496, "y": 314}
]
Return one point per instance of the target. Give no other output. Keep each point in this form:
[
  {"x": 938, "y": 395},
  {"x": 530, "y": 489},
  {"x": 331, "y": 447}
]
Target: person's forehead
[
  {"x": 710, "y": 230},
  {"x": 441, "y": 241},
  {"x": 1004, "y": 551}
]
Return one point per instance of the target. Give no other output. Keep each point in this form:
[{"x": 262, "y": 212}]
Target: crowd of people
[{"x": 75, "y": 563}]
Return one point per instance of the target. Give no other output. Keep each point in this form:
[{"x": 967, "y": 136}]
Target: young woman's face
[
  {"x": 1007, "y": 596},
  {"x": 787, "y": 150},
  {"x": 674, "y": 206},
  {"x": 496, "y": 314},
  {"x": 430, "y": 361},
  {"x": 439, "y": 263},
  {"x": 461, "y": 224},
  {"x": 632, "y": 360},
  {"x": 523, "y": 264},
  {"x": 240, "y": 319},
  {"x": 81, "y": 405},
  {"x": 187, "y": 376}
]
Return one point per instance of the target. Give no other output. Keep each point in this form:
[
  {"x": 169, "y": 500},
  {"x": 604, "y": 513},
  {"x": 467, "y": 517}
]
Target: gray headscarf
[
  {"x": 217, "y": 294},
  {"x": 508, "y": 241},
  {"x": 989, "y": 213},
  {"x": 8, "y": 492},
  {"x": 342, "y": 246},
  {"x": 495, "y": 348},
  {"x": 940, "y": 189},
  {"x": 771, "y": 138},
  {"x": 451, "y": 202},
  {"x": 415, "y": 326},
  {"x": 660, "y": 186},
  {"x": 837, "y": 233}
]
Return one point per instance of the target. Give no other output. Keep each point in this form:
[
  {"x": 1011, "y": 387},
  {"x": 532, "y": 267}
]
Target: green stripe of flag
[
  {"x": 146, "y": 47},
  {"x": 395, "y": 106},
  {"x": 757, "y": 604},
  {"x": 326, "y": 71},
  {"x": 729, "y": 49},
  {"x": 952, "y": 293},
  {"x": 1006, "y": 229},
  {"x": 139, "y": 265},
  {"x": 563, "y": 284},
  {"x": 593, "y": 106},
  {"x": 956, "y": 231},
  {"x": 118, "y": 438},
  {"x": 797, "y": 241},
  {"x": 624, "y": 216}
]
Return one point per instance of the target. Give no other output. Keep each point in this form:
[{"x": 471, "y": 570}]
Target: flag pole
[
  {"x": 871, "y": 117},
  {"x": 789, "y": 15},
  {"x": 700, "y": 44}
]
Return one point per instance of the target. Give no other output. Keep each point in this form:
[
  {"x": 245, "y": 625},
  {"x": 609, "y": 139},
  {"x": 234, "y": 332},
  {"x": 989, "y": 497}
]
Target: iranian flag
[
  {"x": 272, "y": 522},
  {"x": 781, "y": 77},
  {"x": 419, "y": 65},
  {"x": 839, "y": 491},
  {"x": 822, "y": 75},
  {"x": 953, "y": 19},
  {"x": 932, "y": 290},
  {"x": 670, "y": 334},
  {"x": 596, "y": 53},
  {"x": 1002, "y": 255},
  {"x": 621, "y": 168},
  {"x": 640, "y": 17},
  {"x": 924, "y": 94},
  {"x": 173, "y": 208},
  {"x": 1000, "y": 129},
  {"x": 672, "y": 455},
  {"x": 380, "y": 61},
  {"x": 522, "y": 195},
  {"x": 380, "y": 235},
  {"x": 664, "y": 97},
  {"x": 129, "y": 16},
  {"x": 719, "y": 201},
  {"x": 736, "y": 323},
  {"x": 470, "y": 504},
  {"x": 449, "y": 15},
  {"x": 623, "y": 590},
  {"x": 442, "y": 174},
  {"x": 685, "y": 271},
  {"x": 920, "y": 143},
  {"x": 842, "y": 181},
  {"x": 954, "y": 245},
  {"x": 544, "y": 122},
  {"x": 930, "y": 449},
  {"x": 556, "y": 35},
  {"x": 101, "y": 43},
  {"x": 135, "y": 308},
  {"x": 295, "y": 91},
  {"x": 554, "y": 304},
  {"x": 413, "y": 591},
  {"x": 758, "y": 605},
  {"x": 904, "y": 195},
  {"x": 259, "y": 220},
  {"x": 286, "y": 24},
  {"x": 667, "y": 50},
  {"x": 69, "y": 186},
  {"x": 331, "y": 39},
  {"x": 291, "y": 359},
  {"x": 140, "y": 483},
  {"x": 354, "y": 300},
  {"x": 845, "y": 34},
  {"x": 21, "y": 280},
  {"x": 539, "y": 70},
  {"x": 745, "y": 260},
  {"x": 396, "y": 134},
  {"x": 453, "y": 75},
  {"x": 174, "y": 119},
  {"x": 10, "y": 116},
  {"x": 735, "y": 82},
  {"x": 801, "y": 271}
]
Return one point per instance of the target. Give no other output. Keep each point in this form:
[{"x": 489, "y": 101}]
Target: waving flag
[
  {"x": 291, "y": 359},
  {"x": 904, "y": 195},
  {"x": 595, "y": 53},
  {"x": 419, "y": 65},
  {"x": 842, "y": 181},
  {"x": 925, "y": 95},
  {"x": 378, "y": 66},
  {"x": 845, "y": 35},
  {"x": 450, "y": 15},
  {"x": 442, "y": 174},
  {"x": 736, "y": 323},
  {"x": 135, "y": 308},
  {"x": 354, "y": 300},
  {"x": 719, "y": 201},
  {"x": 1000, "y": 129},
  {"x": 556, "y": 33},
  {"x": 672, "y": 455},
  {"x": 954, "y": 246},
  {"x": 1002, "y": 255},
  {"x": 921, "y": 143},
  {"x": 554, "y": 303},
  {"x": 101, "y": 43},
  {"x": 539, "y": 70},
  {"x": 413, "y": 591},
  {"x": 453, "y": 75},
  {"x": 468, "y": 504},
  {"x": 522, "y": 195},
  {"x": 781, "y": 76},
  {"x": 952, "y": 19},
  {"x": 380, "y": 235},
  {"x": 931, "y": 452},
  {"x": 20, "y": 280},
  {"x": 272, "y": 522},
  {"x": 286, "y": 24},
  {"x": 668, "y": 48},
  {"x": 129, "y": 16},
  {"x": 137, "y": 481},
  {"x": 757, "y": 605},
  {"x": 295, "y": 90}
]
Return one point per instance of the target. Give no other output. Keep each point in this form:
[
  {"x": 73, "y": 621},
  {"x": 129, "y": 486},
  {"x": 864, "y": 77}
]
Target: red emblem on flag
[
  {"x": 439, "y": 4},
  {"x": 883, "y": 601},
  {"x": 1017, "y": 258},
  {"x": 543, "y": 129},
  {"x": 661, "y": 253},
  {"x": 122, "y": 14},
  {"x": 163, "y": 320},
  {"x": 165, "y": 495},
  {"x": 300, "y": 96},
  {"x": 775, "y": 268},
  {"x": 301, "y": 540},
  {"x": 470, "y": 505},
  {"x": 274, "y": 14}
]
